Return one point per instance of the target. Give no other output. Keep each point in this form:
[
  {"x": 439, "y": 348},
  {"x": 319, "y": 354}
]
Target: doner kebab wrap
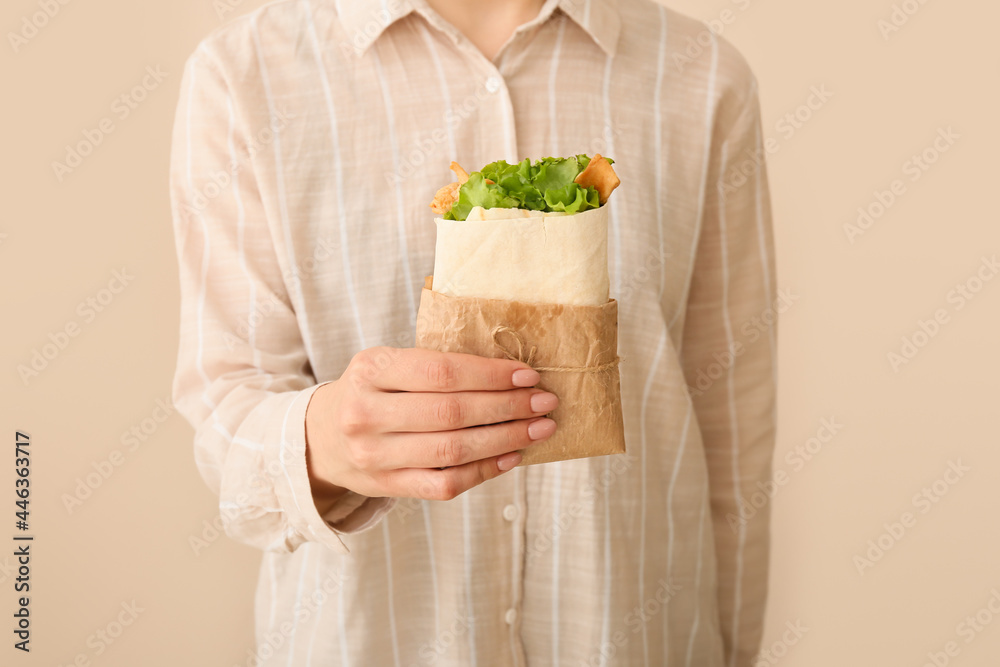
[{"x": 521, "y": 271}]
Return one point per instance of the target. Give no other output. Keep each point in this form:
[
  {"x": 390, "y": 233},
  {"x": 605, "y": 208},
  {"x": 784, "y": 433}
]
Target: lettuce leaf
[
  {"x": 477, "y": 192},
  {"x": 572, "y": 198},
  {"x": 543, "y": 185}
]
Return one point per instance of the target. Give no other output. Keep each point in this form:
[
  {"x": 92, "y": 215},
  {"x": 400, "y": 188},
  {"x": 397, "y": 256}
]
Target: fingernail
[
  {"x": 508, "y": 461},
  {"x": 541, "y": 428},
  {"x": 526, "y": 377},
  {"x": 544, "y": 402}
]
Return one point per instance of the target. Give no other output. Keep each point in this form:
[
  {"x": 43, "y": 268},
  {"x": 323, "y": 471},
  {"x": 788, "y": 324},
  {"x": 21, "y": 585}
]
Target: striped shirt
[{"x": 310, "y": 136}]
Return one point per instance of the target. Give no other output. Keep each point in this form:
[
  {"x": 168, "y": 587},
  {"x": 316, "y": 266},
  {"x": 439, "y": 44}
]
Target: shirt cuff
[
  {"x": 354, "y": 513},
  {"x": 350, "y": 514}
]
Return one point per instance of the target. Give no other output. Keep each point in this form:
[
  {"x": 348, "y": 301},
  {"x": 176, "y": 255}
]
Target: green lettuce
[{"x": 543, "y": 185}]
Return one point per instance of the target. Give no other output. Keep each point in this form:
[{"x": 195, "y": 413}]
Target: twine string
[{"x": 529, "y": 359}]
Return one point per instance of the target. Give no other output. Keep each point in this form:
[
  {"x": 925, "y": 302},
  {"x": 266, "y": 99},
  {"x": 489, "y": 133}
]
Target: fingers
[
  {"x": 456, "y": 448},
  {"x": 414, "y": 369},
  {"x": 448, "y": 483},
  {"x": 428, "y": 424},
  {"x": 428, "y": 412}
]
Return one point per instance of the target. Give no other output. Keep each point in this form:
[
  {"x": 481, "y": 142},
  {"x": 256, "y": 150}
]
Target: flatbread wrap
[{"x": 521, "y": 271}]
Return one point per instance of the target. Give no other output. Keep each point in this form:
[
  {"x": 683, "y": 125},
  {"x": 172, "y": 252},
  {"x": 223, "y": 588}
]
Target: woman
[{"x": 310, "y": 137}]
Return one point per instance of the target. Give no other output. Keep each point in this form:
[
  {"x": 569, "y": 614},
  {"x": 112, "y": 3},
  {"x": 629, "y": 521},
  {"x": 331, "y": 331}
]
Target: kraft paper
[{"x": 581, "y": 341}]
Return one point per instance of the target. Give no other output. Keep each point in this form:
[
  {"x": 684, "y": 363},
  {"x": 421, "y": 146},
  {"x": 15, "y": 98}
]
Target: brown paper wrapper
[{"x": 589, "y": 417}]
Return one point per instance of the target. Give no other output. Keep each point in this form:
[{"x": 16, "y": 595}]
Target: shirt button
[
  {"x": 492, "y": 84},
  {"x": 510, "y": 616},
  {"x": 510, "y": 512}
]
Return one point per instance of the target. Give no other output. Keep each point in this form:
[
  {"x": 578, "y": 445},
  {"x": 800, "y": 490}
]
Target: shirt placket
[
  {"x": 495, "y": 110},
  {"x": 495, "y": 107},
  {"x": 495, "y": 99},
  {"x": 514, "y": 513}
]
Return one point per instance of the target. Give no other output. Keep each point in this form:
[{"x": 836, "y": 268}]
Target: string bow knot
[{"x": 529, "y": 358}]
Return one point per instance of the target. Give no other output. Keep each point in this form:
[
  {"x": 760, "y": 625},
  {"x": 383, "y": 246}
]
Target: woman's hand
[{"x": 421, "y": 424}]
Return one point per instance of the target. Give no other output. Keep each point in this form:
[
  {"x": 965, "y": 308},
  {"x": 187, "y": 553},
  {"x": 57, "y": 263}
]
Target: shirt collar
[
  {"x": 598, "y": 18},
  {"x": 364, "y": 21}
]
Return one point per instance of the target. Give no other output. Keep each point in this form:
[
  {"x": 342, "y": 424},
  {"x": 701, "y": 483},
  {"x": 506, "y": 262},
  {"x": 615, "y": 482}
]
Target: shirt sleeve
[
  {"x": 729, "y": 360},
  {"x": 243, "y": 375}
]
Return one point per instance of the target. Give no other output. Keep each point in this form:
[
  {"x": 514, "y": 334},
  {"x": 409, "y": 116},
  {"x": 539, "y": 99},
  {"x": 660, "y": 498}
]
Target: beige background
[{"x": 60, "y": 243}]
